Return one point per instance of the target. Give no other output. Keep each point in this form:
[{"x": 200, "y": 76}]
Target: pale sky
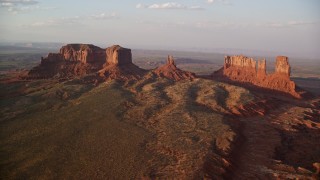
[{"x": 271, "y": 25}]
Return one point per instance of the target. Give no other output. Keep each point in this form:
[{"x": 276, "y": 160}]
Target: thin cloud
[
  {"x": 169, "y": 5},
  {"x": 298, "y": 23},
  {"x": 10, "y": 3},
  {"x": 27, "y": 9},
  {"x": 70, "y": 21},
  {"x": 216, "y": 24},
  {"x": 224, "y": 2},
  {"x": 65, "y": 21},
  {"x": 22, "y": 6},
  {"x": 287, "y": 24},
  {"x": 104, "y": 16},
  {"x": 203, "y": 25}
]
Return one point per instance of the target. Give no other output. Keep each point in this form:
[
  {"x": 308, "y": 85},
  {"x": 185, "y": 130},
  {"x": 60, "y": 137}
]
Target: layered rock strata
[
  {"x": 72, "y": 60},
  {"x": 246, "y": 70},
  {"x": 118, "y": 55},
  {"x": 114, "y": 62}
]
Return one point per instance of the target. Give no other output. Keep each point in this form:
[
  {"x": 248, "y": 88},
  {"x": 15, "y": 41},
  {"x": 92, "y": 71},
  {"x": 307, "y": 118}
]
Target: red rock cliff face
[
  {"x": 240, "y": 68},
  {"x": 85, "y": 53},
  {"x": 239, "y": 61},
  {"x": 262, "y": 68},
  {"x": 73, "y": 60},
  {"x": 243, "y": 70},
  {"x": 118, "y": 65},
  {"x": 282, "y": 66},
  {"x": 118, "y": 55}
]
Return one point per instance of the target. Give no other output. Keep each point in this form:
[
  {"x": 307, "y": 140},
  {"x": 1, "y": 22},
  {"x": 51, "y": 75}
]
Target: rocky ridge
[
  {"x": 244, "y": 70},
  {"x": 170, "y": 71}
]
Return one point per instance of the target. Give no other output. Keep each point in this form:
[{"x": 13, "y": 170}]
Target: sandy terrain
[{"x": 154, "y": 127}]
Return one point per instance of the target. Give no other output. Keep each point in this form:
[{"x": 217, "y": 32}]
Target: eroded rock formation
[
  {"x": 118, "y": 65},
  {"x": 170, "y": 71},
  {"x": 85, "y": 53},
  {"x": 118, "y": 55},
  {"x": 242, "y": 69},
  {"x": 282, "y": 66},
  {"x": 262, "y": 68},
  {"x": 114, "y": 62},
  {"x": 72, "y": 60}
]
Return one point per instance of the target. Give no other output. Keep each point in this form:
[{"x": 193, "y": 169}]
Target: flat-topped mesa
[
  {"x": 118, "y": 55},
  {"x": 243, "y": 70},
  {"x": 239, "y": 68},
  {"x": 85, "y": 53},
  {"x": 170, "y": 71},
  {"x": 283, "y": 66},
  {"x": 72, "y": 60},
  {"x": 239, "y": 61}
]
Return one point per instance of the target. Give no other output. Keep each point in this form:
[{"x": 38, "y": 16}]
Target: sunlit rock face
[
  {"x": 118, "y": 55},
  {"x": 246, "y": 70},
  {"x": 72, "y": 60}
]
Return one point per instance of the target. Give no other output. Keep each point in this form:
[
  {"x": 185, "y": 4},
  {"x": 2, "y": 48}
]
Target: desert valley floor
[{"x": 152, "y": 126}]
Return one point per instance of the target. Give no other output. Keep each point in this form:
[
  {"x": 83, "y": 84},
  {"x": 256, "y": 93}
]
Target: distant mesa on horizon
[
  {"x": 244, "y": 70},
  {"x": 115, "y": 62}
]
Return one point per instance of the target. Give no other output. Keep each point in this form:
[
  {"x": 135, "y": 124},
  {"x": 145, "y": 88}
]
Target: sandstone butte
[
  {"x": 118, "y": 65},
  {"x": 72, "y": 60},
  {"x": 114, "y": 62},
  {"x": 244, "y": 70},
  {"x": 170, "y": 71}
]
